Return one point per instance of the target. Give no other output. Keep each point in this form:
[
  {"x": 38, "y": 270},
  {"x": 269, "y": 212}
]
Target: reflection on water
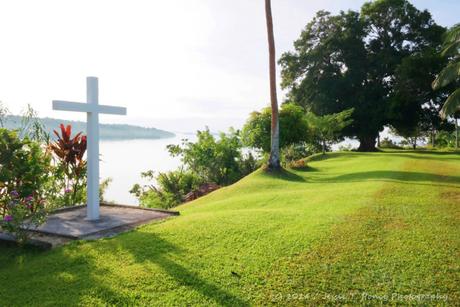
[{"x": 123, "y": 161}]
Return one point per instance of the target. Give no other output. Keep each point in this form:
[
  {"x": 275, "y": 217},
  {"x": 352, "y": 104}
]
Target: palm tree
[
  {"x": 451, "y": 72},
  {"x": 274, "y": 161}
]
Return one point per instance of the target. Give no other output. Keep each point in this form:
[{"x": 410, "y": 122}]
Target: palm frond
[
  {"x": 451, "y": 49},
  {"x": 453, "y": 35},
  {"x": 449, "y": 74},
  {"x": 451, "y": 105}
]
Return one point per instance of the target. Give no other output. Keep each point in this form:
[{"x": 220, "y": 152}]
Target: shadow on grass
[
  {"x": 57, "y": 277},
  {"x": 148, "y": 248},
  {"x": 392, "y": 175},
  {"x": 283, "y": 174},
  {"x": 89, "y": 273},
  {"x": 423, "y": 154},
  {"x": 305, "y": 168},
  {"x": 335, "y": 155}
]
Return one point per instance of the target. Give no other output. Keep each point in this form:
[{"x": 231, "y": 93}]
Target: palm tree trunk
[
  {"x": 456, "y": 133},
  {"x": 274, "y": 161}
]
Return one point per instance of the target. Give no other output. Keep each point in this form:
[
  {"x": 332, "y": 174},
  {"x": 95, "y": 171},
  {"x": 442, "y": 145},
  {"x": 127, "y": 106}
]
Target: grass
[{"x": 357, "y": 228}]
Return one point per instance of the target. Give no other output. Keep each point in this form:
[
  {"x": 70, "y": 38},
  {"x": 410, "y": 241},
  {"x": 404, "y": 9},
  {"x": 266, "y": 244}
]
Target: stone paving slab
[{"x": 71, "y": 222}]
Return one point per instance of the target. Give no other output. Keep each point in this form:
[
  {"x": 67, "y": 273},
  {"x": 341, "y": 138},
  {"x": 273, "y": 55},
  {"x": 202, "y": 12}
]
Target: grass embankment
[{"x": 358, "y": 228}]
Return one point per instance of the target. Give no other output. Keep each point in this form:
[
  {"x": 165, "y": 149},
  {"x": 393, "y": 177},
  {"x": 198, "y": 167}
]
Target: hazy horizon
[{"x": 176, "y": 65}]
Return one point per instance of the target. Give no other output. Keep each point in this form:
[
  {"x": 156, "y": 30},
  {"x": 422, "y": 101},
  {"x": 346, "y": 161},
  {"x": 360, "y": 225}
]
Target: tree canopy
[
  {"x": 353, "y": 60},
  {"x": 293, "y": 127}
]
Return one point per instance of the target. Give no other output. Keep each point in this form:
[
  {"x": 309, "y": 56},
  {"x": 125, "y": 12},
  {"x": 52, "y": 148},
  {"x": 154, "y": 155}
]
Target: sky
[{"x": 178, "y": 65}]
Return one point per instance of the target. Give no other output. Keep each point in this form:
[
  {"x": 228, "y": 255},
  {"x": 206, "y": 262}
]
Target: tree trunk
[
  {"x": 274, "y": 161},
  {"x": 378, "y": 140},
  {"x": 367, "y": 143},
  {"x": 456, "y": 133},
  {"x": 433, "y": 138},
  {"x": 324, "y": 147}
]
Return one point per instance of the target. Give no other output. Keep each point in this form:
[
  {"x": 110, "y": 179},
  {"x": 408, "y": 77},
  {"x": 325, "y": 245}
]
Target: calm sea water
[{"x": 123, "y": 161}]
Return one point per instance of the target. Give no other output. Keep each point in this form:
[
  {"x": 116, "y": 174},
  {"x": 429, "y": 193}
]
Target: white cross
[{"x": 92, "y": 109}]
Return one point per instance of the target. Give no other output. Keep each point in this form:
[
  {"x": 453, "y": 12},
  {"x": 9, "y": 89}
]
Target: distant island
[{"x": 107, "y": 131}]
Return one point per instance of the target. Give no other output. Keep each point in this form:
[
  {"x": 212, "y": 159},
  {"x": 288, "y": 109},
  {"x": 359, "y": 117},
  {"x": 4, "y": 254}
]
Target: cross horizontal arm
[
  {"x": 73, "y": 106},
  {"x": 87, "y": 107},
  {"x": 103, "y": 109}
]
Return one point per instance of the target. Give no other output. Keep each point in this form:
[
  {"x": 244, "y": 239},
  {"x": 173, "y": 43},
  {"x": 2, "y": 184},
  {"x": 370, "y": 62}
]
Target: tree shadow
[
  {"x": 150, "y": 248},
  {"x": 329, "y": 155},
  {"x": 402, "y": 176},
  {"x": 306, "y": 168},
  {"x": 424, "y": 154},
  {"x": 78, "y": 272},
  {"x": 35, "y": 277},
  {"x": 283, "y": 174}
]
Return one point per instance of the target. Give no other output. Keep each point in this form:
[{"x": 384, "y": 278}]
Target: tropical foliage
[
  {"x": 293, "y": 128},
  {"x": 219, "y": 160},
  {"x": 451, "y": 73},
  {"x": 70, "y": 171},
  {"x": 328, "y": 127},
  {"x": 170, "y": 189},
  {"x": 25, "y": 174},
  {"x": 213, "y": 160},
  {"x": 300, "y": 132}
]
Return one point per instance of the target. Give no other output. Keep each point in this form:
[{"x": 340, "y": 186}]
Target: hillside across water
[{"x": 107, "y": 131}]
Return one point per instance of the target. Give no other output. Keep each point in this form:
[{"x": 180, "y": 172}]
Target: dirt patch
[{"x": 451, "y": 196}]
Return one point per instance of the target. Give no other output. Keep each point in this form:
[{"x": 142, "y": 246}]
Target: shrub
[
  {"x": 208, "y": 162},
  {"x": 21, "y": 214},
  {"x": 388, "y": 143},
  {"x": 445, "y": 139},
  {"x": 24, "y": 176},
  {"x": 292, "y": 154},
  {"x": 70, "y": 171},
  {"x": 214, "y": 160},
  {"x": 346, "y": 147},
  {"x": 170, "y": 191},
  {"x": 293, "y": 127}
]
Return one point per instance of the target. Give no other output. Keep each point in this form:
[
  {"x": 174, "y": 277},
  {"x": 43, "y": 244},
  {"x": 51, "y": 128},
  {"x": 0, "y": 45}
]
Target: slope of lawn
[{"x": 351, "y": 228}]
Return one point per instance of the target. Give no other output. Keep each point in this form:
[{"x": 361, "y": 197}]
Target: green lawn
[{"x": 354, "y": 227}]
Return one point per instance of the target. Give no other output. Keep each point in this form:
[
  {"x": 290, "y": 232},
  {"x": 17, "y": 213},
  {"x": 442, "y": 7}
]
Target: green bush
[
  {"x": 293, "y": 153},
  {"x": 69, "y": 184},
  {"x": 293, "y": 128},
  {"x": 445, "y": 139},
  {"x": 25, "y": 173},
  {"x": 388, "y": 143},
  {"x": 220, "y": 161},
  {"x": 170, "y": 190}
]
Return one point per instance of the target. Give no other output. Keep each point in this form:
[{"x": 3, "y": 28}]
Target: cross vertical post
[
  {"x": 92, "y": 109},
  {"x": 92, "y": 128}
]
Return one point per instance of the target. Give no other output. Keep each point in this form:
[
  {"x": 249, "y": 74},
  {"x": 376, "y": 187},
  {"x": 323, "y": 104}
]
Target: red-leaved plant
[{"x": 69, "y": 152}]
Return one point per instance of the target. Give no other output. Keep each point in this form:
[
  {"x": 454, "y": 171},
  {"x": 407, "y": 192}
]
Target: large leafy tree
[
  {"x": 413, "y": 107},
  {"x": 350, "y": 60}
]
